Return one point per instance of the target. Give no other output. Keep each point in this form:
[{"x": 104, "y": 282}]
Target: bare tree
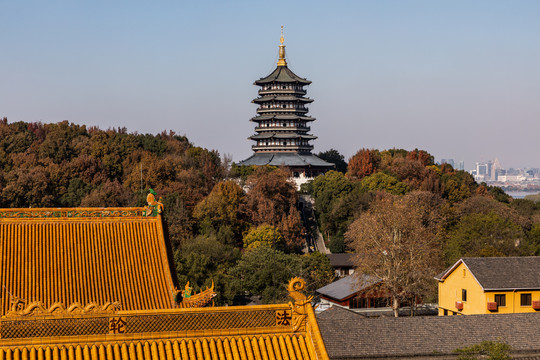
[{"x": 395, "y": 241}]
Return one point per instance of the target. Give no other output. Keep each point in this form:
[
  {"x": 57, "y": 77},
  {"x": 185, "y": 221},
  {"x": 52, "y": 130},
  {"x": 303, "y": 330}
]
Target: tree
[
  {"x": 483, "y": 235},
  {"x": 221, "y": 207},
  {"x": 333, "y": 156},
  {"x": 489, "y": 350},
  {"x": 395, "y": 242},
  {"x": 533, "y": 238},
  {"x": 266, "y": 272},
  {"x": 110, "y": 194},
  {"x": 364, "y": 163},
  {"x": 327, "y": 189},
  {"x": 264, "y": 235},
  {"x": 204, "y": 259},
  {"x": 271, "y": 199},
  {"x": 383, "y": 182},
  {"x": 422, "y": 156}
]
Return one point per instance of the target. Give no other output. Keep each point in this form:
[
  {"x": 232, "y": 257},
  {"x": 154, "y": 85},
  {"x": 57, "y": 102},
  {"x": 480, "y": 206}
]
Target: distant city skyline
[{"x": 458, "y": 79}]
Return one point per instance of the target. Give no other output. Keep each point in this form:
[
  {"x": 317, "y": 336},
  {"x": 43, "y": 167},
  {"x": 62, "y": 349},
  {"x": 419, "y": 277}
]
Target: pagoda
[{"x": 282, "y": 132}]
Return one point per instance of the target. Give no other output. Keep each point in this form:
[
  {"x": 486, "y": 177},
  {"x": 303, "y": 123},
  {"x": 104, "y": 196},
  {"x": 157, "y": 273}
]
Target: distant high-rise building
[
  {"x": 481, "y": 169},
  {"x": 448, "y": 161},
  {"x": 489, "y": 165},
  {"x": 496, "y": 170},
  {"x": 461, "y": 165}
]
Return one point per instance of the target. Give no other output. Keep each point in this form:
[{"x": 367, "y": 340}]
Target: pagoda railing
[
  {"x": 281, "y": 128},
  {"x": 282, "y": 110},
  {"x": 282, "y": 91},
  {"x": 281, "y": 147}
]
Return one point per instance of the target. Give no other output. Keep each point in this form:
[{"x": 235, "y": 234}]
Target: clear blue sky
[{"x": 460, "y": 79}]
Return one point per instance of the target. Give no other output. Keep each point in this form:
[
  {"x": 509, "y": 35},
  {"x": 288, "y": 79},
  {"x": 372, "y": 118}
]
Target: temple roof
[
  {"x": 236, "y": 332},
  {"x": 282, "y": 331},
  {"x": 285, "y": 159},
  {"x": 282, "y": 74},
  {"x": 84, "y": 255}
]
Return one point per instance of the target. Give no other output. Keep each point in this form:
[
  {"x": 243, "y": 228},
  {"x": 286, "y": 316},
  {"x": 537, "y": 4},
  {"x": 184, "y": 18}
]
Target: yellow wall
[
  {"x": 477, "y": 298},
  {"x": 450, "y": 292}
]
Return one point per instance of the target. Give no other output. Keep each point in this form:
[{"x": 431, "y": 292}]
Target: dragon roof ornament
[{"x": 20, "y": 307}]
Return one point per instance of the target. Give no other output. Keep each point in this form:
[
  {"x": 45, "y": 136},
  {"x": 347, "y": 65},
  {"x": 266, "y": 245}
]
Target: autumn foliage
[
  {"x": 364, "y": 163},
  {"x": 207, "y": 214}
]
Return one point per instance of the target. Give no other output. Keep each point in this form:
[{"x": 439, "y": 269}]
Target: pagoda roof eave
[
  {"x": 281, "y": 98},
  {"x": 276, "y": 158},
  {"x": 282, "y": 117},
  {"x": 282, "y": 74}
]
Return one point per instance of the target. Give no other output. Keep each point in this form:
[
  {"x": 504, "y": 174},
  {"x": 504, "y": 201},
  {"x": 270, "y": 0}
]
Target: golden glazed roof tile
[
  {"x": 282, "y": 331},
  {"x": 285, "y": 331},
  {"x": 95, "y": 255}
]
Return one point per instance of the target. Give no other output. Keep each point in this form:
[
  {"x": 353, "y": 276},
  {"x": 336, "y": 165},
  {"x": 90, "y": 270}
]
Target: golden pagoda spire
[{"x": 282, "y": 61}]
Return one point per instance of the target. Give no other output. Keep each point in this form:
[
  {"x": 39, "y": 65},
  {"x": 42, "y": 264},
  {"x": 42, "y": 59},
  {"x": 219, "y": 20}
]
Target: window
[
  {"x": 380, "y": 302},
  {"x": 526, "y": 299},
  {"x": 500, "y": 299},
  {"x": 463, "y": 295},
  {"x": 359, "y": 303}
]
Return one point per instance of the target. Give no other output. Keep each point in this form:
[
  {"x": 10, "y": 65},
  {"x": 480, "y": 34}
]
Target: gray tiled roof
[
  {"x": 355, "y": 337},
  {"x": 339, "y": 260},
  {"x": 337, "y": 313},
  {"x": 349, "y": 285},
  {"x": 285, "y": 159},
  {"x": 498, "y": 273}
]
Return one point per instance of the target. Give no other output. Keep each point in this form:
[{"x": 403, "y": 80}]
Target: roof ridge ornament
[
  {"x": 20, "y": 307},
  {"x": 299, "y": 308},
  {"x": 188, "y": 298},
  {"x": 154, "y": 207},
  {"x": 282, "y": 61}
]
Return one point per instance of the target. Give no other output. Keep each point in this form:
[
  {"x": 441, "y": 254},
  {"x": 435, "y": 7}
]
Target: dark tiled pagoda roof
[
  {"x": 502, "y": 273},
  {"x": 348, "y": 286},
  {"x": 352, "y": 336},
  {"x": 285, "y": 159},
  {"x": 282, "y": 98},
  {"x": 282, "y": 74},
  {"x": 282, "y": 117}
]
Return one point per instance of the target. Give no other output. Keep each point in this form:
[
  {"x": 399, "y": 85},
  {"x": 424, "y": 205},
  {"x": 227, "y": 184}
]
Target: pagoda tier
[{"x": 282, "y": 123}]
